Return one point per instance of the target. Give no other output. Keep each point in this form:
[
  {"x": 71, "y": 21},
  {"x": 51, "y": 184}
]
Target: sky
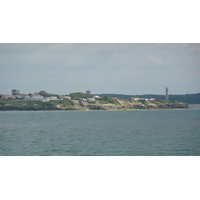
[{"x": 120, "y": 68}]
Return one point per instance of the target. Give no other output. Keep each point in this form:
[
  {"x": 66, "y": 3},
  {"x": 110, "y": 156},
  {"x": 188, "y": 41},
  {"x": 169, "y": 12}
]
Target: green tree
[
  {"x": 15, "y": 92},
  {"x": 78, "y": 95}
]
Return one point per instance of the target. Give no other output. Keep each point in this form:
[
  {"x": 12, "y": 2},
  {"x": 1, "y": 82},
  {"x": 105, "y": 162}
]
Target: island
[{"x": 81, "y": 101}]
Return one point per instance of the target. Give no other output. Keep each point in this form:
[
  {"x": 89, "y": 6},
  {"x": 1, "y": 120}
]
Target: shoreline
[
  {"x": 125, "y": 105},
  {"x": 86, "y": 109}
]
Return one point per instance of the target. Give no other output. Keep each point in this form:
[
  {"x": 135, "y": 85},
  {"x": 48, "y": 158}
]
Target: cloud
[
  {"x": 155, "y": 59},
  {"x": 116, "y": 68}
]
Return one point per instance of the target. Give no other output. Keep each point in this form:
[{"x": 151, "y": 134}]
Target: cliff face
[
  {"x": 138, "y": 106},
  {"x": 173, "y": 105},
  {"x": 123, "y": 105}
]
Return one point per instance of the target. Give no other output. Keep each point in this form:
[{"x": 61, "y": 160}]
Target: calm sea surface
[{"x": 100, "y": 133}]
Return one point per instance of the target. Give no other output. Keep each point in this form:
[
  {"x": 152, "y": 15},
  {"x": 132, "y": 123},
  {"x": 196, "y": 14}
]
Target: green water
[{"x": 100, "y": 133}]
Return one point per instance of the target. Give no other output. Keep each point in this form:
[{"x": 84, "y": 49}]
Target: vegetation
[
  {"x": 20, "y": 103},
  {"x": 78, "y": 95},
  {"x": 46, "y": 94},
  {"x": 15, "y": 92},
  {"x": 107, "y": 100},
  {"x": 64, "y": 102},
  {"x": 142, "y": 101},
  {"x": 187, "y": 98},
  {"x": 122, "y": 102},
  {"x": 34, "y": 105}
]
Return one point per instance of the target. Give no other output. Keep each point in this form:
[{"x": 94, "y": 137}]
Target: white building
[
  {"x": 96, "y": 97},
  {"x": 91, "y": 99},
  {"x": 51, "y": 98},
  {"x": 135, "y": 98},
  {"x": 34, "y": 97},
  {"x": 66, "y": 97}
]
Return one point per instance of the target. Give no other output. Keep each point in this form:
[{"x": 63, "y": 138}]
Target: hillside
[
  {"x": 104, "y": 103},
  {"x": 187, "y": 98},
  {"x": 82, "y": 101}
]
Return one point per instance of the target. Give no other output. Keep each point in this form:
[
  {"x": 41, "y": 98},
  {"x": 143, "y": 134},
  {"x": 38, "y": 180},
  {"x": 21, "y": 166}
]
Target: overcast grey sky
[{"x": 103, "y": 68}]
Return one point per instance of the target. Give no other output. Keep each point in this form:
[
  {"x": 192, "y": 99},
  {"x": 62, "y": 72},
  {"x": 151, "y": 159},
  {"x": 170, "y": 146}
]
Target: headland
[{"x": 82, "y": 101}]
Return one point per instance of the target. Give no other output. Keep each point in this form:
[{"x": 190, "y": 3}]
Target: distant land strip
[
  {"x": 87, "y": 101},
  {"x": 185, "y": 98}
]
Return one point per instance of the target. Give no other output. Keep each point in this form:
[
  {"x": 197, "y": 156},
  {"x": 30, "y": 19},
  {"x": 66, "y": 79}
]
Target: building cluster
[
  {"x": 26, "y": 97},
  {"x": 89, "y": 100},
  {"x": 32, "y": 97},
  {"x": 17, "y": 96}
]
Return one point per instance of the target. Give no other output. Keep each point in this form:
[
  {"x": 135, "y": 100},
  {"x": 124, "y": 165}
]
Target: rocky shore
[
  {"x": 96, "y": 106},
  {"x": 136, "y": 106}
]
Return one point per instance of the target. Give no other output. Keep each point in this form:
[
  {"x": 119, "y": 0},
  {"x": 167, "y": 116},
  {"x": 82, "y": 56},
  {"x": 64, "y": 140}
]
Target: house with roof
[
  {"x": 135, "y": 98},
  {"x": 6, "y": 96},
  {"x": 35, "y": 96}
]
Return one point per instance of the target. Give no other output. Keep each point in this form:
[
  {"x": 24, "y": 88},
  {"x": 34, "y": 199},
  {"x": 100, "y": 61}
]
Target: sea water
[{"x": 173, "y": 132}]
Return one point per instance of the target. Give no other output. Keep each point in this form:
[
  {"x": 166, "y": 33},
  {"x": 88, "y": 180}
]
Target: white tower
[{"x": 167, "y": 96}]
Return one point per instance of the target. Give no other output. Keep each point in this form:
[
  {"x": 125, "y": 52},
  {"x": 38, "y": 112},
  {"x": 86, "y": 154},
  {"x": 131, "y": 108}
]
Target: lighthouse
[{"x": 167, "y": 96}]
